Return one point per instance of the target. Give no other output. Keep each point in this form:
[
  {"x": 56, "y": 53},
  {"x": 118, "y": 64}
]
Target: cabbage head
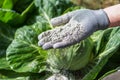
[{"x": 74, "y": 57}]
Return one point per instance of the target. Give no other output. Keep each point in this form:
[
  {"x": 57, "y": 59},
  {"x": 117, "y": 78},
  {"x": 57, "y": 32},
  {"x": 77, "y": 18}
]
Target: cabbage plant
[
  {"x": 22, "y": 59},
  {"x": 71, "y": 58}
]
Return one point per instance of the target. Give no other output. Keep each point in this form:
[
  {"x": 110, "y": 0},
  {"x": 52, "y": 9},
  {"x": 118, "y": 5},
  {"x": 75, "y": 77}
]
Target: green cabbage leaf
[
  {"x": 24, "y": 54},
  {"x": 6, "y": 37}
]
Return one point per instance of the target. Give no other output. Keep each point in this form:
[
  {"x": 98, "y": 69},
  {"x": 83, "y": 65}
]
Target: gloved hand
[{"x": 79, "y": 25}]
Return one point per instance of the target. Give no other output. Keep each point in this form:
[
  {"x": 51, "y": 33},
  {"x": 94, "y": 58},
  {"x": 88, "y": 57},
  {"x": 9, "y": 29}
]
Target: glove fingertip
[
  {"x": 60, "y": 20},
  {"x": 56, "y": 21},
  {"x": 40, "y": 43},
  {"x": 47, "y": 45},
  {"x": 60, "y": 45},
  {"x": 39, "y": 37}
]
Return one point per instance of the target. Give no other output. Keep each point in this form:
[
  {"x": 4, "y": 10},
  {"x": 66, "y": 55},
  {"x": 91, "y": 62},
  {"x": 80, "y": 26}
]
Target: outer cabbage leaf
[
  {"x": 10, "y": 17},
  {"x": 6, "y": 37},
  {"x": 1, "y": 3},
  {"x": 112, "y": 63},
  {"x": 24, "y": 54},
  {"x": 7, "y": 4},
  {"x": 110, "y": 48},
  {"x": 102, "y": 37},
  {"x": 15, "y": 5},
  {"x": 53, "y": 7},
  {"x": 13, "y": 17},
  {"x": 11, "y": 75},
  {"x": 21, "y": 5}
]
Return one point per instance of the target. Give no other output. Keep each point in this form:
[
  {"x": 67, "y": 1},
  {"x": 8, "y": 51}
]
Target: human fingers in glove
[{"x": 78, "y": 25}]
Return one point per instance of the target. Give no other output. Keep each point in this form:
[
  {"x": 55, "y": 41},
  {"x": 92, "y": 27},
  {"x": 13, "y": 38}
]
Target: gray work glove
[{"x": 78, "y": 25}]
